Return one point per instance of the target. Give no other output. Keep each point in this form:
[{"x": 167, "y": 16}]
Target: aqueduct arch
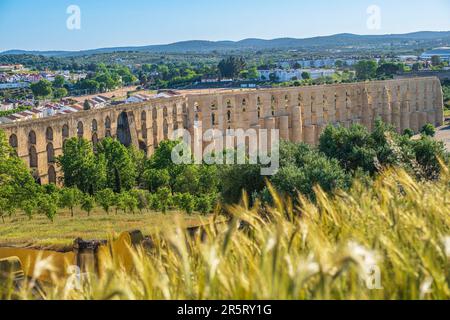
[
  {"x": 123, "y": 129},
  {"x": 300, "y": 114}
]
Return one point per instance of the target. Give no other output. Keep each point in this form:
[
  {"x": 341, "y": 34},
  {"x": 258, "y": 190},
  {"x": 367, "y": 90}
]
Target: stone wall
[{"x": 300, "y": 113}]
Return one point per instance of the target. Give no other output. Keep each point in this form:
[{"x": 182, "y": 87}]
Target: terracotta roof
[{"x": 76, "y": 107}]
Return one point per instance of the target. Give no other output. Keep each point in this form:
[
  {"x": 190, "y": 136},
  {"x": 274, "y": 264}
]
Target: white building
[
  {"x": 138, "y": 98},
  {"x": 294, "y": 74},
  {"x": 443, "y": 53}
]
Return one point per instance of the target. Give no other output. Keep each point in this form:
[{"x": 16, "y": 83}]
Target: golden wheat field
[{"x": 386, "y": 240}]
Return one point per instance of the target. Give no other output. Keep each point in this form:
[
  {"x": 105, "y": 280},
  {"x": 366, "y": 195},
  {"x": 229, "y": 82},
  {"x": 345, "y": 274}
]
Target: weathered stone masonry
[{"x": 300, "y": 113}]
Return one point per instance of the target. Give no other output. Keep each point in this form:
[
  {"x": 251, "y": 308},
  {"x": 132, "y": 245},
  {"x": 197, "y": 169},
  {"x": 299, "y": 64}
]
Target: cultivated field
[
  {"x": 389, "y": 239},
  {"x": 98, "y": 226}
]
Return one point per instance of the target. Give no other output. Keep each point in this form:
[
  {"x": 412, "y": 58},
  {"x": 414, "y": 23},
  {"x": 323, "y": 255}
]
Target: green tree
[
  {"x": 81, "y": 167},
  {"x": 139, "y": 160},
  {"x": 238, "y": 178},
  {"x": 121, "y": 171},
  {"x": 427, "y": 153},
  {"x": 141, "y": 198},
  {"x": 47, "y": 206},
  {"x": 60, "y": 93},
  {"x": 252, "y": 73},
  {"x": 353, "y": 147},
  {"x": 408, "y": 132},
  {"x": 29, "y": 207},
  {"x": 131, "y": 202},
  {"x": 306, "y": 75},
  {"x": 187, "y": 203},
  {"x": 164, "y": 199},
  {"x": 59, "y": 81},
  {"x": 17, "y": 185},
  {"x": 231, "y": 67},
  {"x": 366, "y": 69},
  {"x": 204, "y": 203},
  {"x": 121, "y": 202},
  {"x": 436, "y": 61},
  {"x": 69, "y": 198},
  {"x": 302, "y": 168},
  {"x": 389, "y": 69},
  {"x": 428, "y": 130},
  {"x": 156, "y": 178},
  {"x": 87, "y": 203},
  {"x": 42, "y": 88},
  {"x": 162, "y": 160},
  {"x": 105, "y": 198},
  {"x": 86, "y": 105}
]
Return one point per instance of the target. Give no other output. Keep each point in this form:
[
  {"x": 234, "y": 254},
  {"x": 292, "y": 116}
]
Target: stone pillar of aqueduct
[{"x": 300, "y": 113}]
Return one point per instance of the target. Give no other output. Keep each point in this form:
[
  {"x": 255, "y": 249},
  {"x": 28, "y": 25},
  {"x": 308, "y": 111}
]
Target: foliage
[
  {"x": 408, "y": 132},
  {"x": 231, "y": 67},
  {"x": 141, "y": 199},
  {"x": 70, "y": 198},
  {"x": 46, "y": 205},
  {"x": 185, "y": 201},
  {"x": 60, "y": 93},
  {"x": 366, "y": 69},
  {"x": 428, "y": 130},
  {"x": 236, "y": 178},
  {"x": 17, "y": 185},
  {"x": 59, "y": 81},
  {"x": 389, "y": 69},
  {"x": 205, "y": 203},
  {"x": 164, "y": 196},
  {"x": 156, "y": 178},
  {"x": 82, "y": 168},
  {"x": 120, "y": 169},
  {"x": 87, "y": 203},
  {"x": 105, "y": 198},
  {"x": 303, "y": 168},
  {"x": 322, "y": 250},
  {"x": 42, "y": 88},
  {"x": 29, "y": 207},
  {"x": 13, "y": 111}
]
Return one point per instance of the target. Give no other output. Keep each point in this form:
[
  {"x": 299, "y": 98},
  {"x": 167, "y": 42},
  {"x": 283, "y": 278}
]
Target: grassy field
[
  {"x": 389, "y": 239},
  {"x": 64, "y": 230}
]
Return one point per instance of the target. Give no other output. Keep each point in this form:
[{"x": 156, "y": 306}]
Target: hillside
[{"x": 338, "y": 40}]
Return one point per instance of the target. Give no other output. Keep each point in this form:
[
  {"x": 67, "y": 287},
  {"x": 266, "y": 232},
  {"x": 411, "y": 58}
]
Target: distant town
[{"x": 34, "y": 86}]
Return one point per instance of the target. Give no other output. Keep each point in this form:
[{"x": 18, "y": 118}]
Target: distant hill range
[{"x": 199, "y": 46}]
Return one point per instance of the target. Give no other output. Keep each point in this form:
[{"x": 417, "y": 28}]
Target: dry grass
[{"x": 64, "y": 230}]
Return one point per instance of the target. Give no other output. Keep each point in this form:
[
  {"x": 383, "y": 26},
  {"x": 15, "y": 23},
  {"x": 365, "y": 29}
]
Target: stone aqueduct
[{"x": 300, "y": 113}]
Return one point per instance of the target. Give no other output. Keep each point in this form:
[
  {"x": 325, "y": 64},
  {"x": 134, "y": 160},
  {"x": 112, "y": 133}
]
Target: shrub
[
  {"x": 205, "y": 203},
  {"x": 105, "y": 198},
  {"x": 47, "y": 206},
  {"x": 164, "y": 199},
  {"x": 408, "y": 133},
  {"x": 428, "y": 130},
  {"x": 187, "y": 203},
  {"x": 87, "y": 203}
]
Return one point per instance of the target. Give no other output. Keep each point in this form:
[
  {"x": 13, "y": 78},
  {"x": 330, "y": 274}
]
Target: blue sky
[{"x": 41, "y": 25}]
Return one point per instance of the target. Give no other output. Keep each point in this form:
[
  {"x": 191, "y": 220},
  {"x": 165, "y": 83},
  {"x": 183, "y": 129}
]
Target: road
[{"x": 443, "y": 134}]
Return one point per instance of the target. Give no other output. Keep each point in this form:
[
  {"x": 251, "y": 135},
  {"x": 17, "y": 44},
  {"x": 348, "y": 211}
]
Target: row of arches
[{"x": 33, "y": 158}]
